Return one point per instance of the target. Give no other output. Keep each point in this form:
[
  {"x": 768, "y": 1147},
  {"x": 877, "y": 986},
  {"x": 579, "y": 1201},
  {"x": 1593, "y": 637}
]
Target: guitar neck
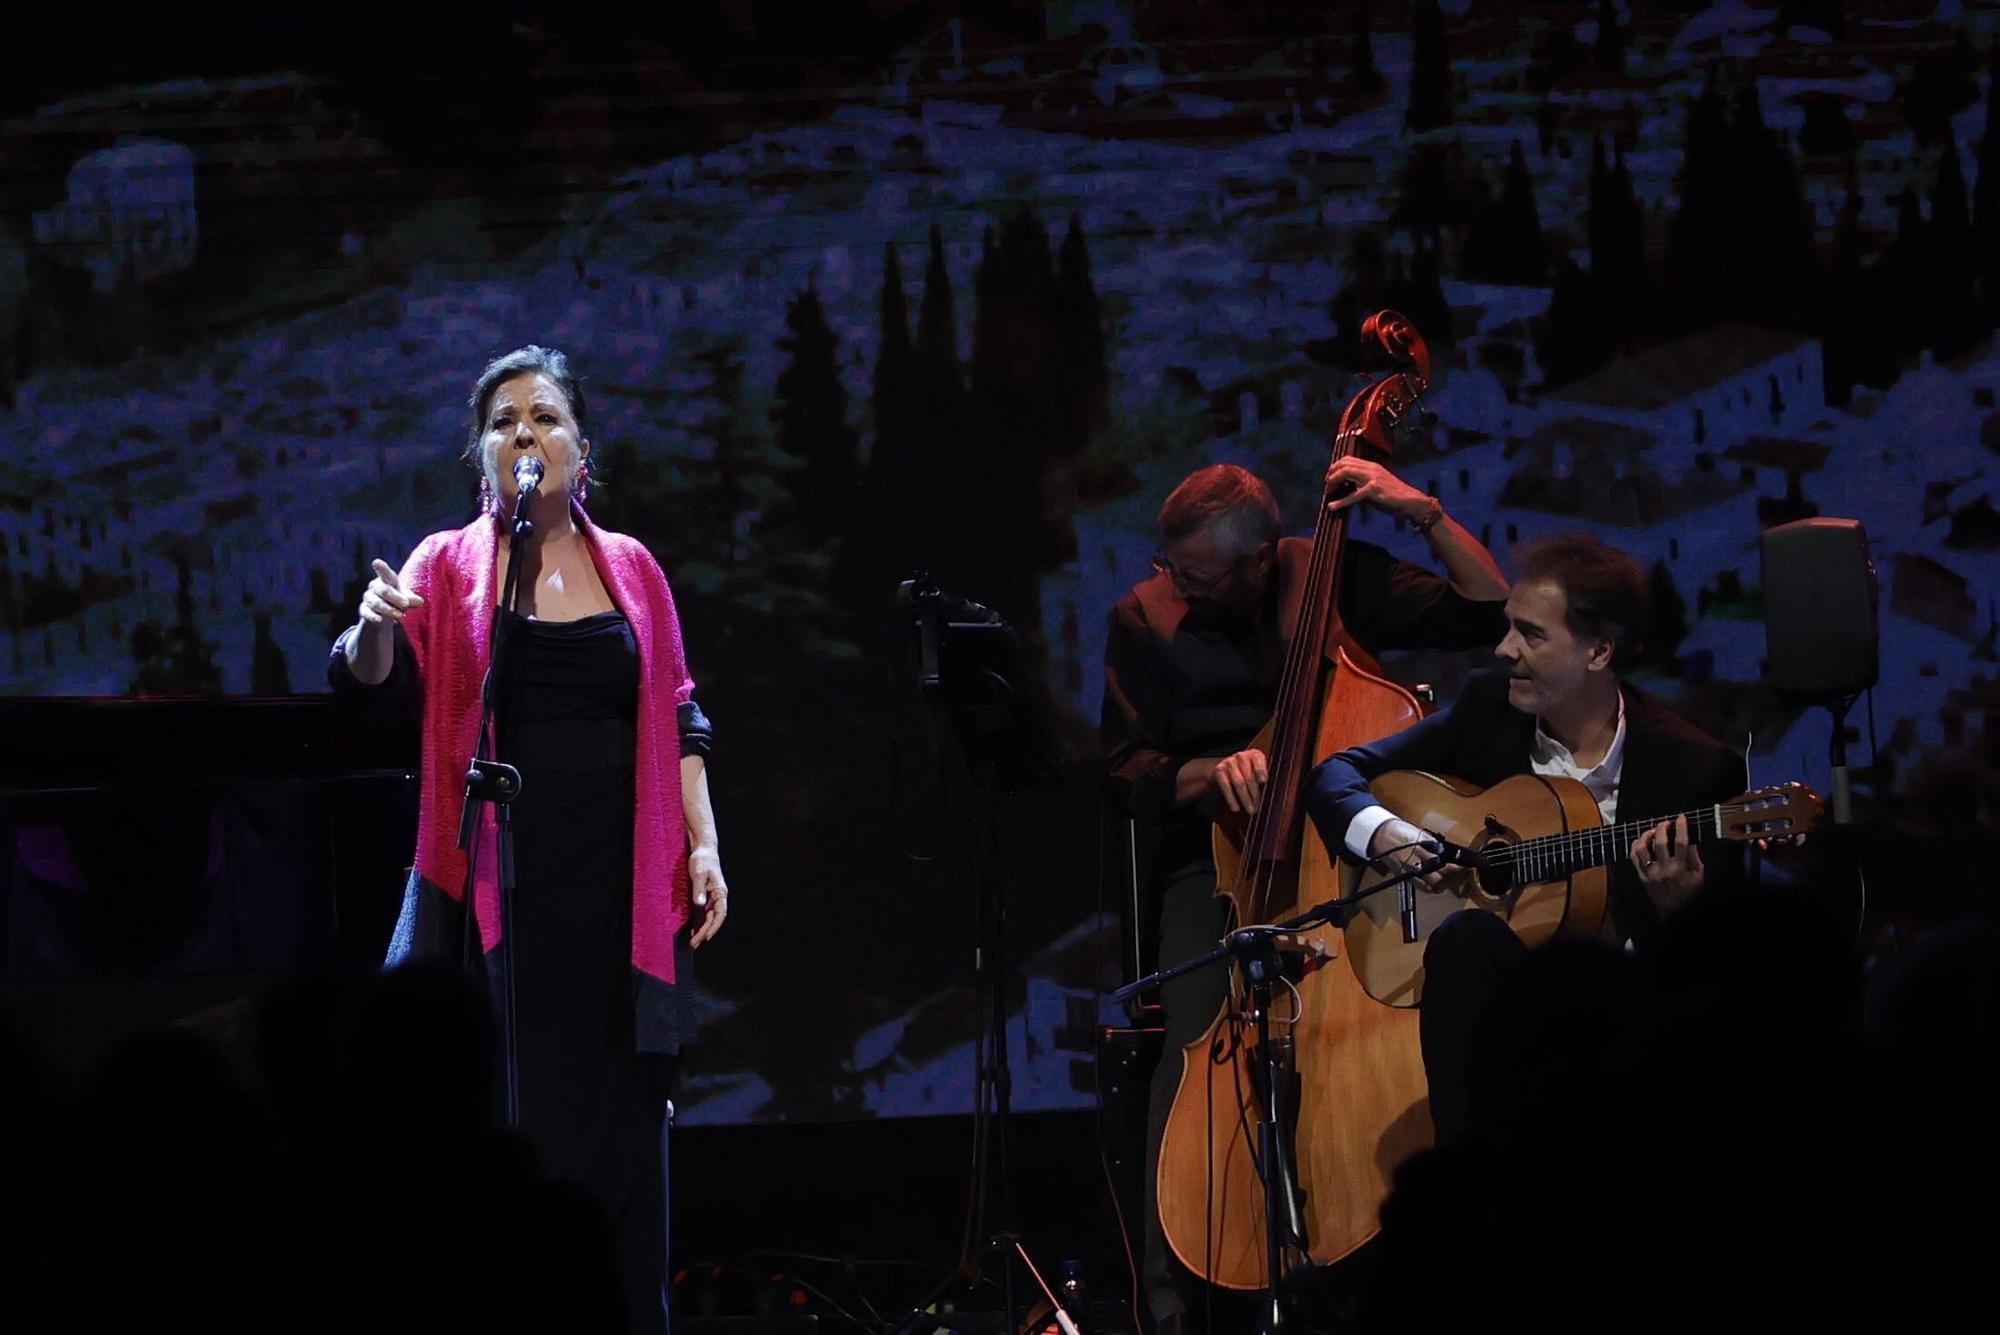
[{"x": 1553, "y": 856}]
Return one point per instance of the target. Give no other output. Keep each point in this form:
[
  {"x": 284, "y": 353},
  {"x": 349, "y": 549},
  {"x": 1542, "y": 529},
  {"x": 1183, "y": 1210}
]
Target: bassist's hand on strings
[
  {"x": 1370, "y": 483},
  {"x": 1668, "y": 863},
  {"x": 1240, "y": 779}
]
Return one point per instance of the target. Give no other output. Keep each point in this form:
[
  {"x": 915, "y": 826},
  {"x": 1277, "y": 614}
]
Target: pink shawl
[{"x": 449, "y": 634}]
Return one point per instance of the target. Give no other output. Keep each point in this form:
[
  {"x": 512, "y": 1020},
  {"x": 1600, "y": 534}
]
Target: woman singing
[{"x": 617, "y": 872}]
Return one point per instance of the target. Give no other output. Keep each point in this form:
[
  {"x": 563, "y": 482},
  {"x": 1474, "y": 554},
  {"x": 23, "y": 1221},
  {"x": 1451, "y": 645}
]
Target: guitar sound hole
[{"x": 1496, "y": 869}]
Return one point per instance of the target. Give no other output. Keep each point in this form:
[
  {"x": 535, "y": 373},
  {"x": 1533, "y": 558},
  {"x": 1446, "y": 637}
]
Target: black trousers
[
  {"x": 1468, "y": 963},
  {"x": 1509, "y": 1033}
]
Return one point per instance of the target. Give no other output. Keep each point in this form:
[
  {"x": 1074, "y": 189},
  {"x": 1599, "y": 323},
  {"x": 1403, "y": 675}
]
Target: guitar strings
[
  {"x": 1576, "y": 840},
  {"x": 1605, "y": 839}
]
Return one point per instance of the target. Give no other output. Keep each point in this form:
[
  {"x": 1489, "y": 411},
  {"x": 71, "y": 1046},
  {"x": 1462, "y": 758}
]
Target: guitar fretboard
[{"x": 1552, "y": 857}]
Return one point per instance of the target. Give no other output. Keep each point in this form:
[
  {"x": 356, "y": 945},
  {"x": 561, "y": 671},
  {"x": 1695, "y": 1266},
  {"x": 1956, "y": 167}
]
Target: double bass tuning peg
[{"x": 1412, "y": 413}]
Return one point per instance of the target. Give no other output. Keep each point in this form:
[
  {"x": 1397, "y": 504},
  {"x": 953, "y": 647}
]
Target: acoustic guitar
[{"x": 1532, "y": 849}]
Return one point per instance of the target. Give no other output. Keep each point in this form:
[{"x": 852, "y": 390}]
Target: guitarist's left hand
[{"x": 1668, "y": 863}]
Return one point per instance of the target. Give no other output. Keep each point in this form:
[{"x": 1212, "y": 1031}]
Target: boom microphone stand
[
  {"x": 487, "y": 779},
  {"x": 1259, "y": 951},
  {"x": 970, "y": 668}
]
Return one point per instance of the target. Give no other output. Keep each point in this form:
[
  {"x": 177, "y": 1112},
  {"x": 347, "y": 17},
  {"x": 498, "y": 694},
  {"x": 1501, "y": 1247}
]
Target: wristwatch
[{"x": 1430, "y": 520}]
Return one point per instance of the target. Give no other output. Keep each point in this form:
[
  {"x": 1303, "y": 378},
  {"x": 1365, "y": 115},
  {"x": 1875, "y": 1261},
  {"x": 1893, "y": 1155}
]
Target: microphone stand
[
  {"x": 487, "y": 779},
  {"x": 1259, "y": 948}
]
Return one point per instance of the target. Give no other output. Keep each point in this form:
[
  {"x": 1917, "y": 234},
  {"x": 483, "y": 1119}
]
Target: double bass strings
[{"x": 1299, "y": 655}]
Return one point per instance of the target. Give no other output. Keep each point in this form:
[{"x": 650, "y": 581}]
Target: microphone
[
  {"x": 1454, "y": 855},
  {"x": 527, "y": 473},
  {"x": 964, "y": 610}
]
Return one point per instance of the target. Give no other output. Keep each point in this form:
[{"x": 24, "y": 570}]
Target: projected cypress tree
[
  {"x": 935, "y": 423},
  {"x": 1572, "y": 338},
  {"x": 175, "y": 660},
  {"x": 1698, "y": 237},
  {"x": 1610, "y": 50},
  {"x": 1362, "y": 73},
  {"x": 937, "y": 327},
  {"x": 891, "y": 462},
  {"x": 268, "y": 674},
  {"x": 1429, "y": 103},
  {"x": 1986, "y": 199},
  {"x": 1666, "y": 621},
  {"x": 1855, "y": 351},
  {"x": 1418, "y": 292},
  {"x": 740, "y": 485},
  {"x": 1953, "y": 308},
  {"x": 1616, "y": 229},
  {"x": 1366, "y": 291},
  {"x": 1505, "y": 245},
  {"x": 706, "y": 515},
  {"x": 1015, "y": 417},
  {"x": 895, "y": 358},
  {"x": 1080, "y": 369},
  {"x": 1940, "y": 85},
  {"x": 1426, "y": 201},
  {"x": 811, "y": 419},
  {"x": 1778, "y": 278},
  {"x": 1741, "y": 246},
  {"x": 1901, "y": 275}
]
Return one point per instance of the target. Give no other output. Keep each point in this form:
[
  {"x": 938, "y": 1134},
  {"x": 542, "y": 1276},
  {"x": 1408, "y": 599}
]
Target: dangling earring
[
  {"x": 487, "y": 504},
  {"x": 579, "y": 484}
]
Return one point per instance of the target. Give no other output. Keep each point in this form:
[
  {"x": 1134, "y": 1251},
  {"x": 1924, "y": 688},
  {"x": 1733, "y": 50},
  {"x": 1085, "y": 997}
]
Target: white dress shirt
[{"x": 1546, "y": 756}]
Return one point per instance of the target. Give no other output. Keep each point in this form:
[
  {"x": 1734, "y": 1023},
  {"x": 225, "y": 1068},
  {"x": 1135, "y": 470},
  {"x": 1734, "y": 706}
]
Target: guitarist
[
  {"x": 1556, "y": 705},
  {"x": 1191, "y": 668}
]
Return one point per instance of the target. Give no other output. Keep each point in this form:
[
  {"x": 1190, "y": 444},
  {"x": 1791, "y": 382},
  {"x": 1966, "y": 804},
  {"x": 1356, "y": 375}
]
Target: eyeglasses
[{"x": 1190, "y": 586}]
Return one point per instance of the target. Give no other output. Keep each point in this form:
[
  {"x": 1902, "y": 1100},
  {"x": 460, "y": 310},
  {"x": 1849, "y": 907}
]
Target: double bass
[{"x": 1357, "y": 1069}]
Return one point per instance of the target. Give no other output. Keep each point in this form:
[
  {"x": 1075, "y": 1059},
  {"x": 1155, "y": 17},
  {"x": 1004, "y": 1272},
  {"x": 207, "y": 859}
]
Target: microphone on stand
[
  {"x": 527, "y": 476},
  {"x": 1449, "y": 854}
]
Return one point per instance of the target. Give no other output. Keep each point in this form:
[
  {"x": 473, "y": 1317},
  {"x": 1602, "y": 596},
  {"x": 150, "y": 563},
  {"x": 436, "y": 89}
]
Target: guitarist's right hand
[{"x": 1403, "y": 846}]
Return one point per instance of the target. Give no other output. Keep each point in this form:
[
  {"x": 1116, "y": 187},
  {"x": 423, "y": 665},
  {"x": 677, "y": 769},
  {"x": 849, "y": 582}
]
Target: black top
[
  {"x": 569, "y": 726},
  {"x": 401, "y": 687},
  {"x": 1669, "y": 766},
  {"x": 1175, "y": 691},
  {"x": 577, "y": 682}
]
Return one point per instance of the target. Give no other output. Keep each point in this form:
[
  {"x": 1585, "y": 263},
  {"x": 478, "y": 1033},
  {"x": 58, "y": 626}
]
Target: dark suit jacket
[
  {"x": 1173, "y": 692},
  {"x": 1669, "y": 766}
]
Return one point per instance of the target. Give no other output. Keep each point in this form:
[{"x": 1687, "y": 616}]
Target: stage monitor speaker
[{"x": 1819, "y": 608}]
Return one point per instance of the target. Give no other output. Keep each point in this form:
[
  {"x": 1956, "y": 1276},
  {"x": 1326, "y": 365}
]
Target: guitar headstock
[{"x": 1772, "y": 813}]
